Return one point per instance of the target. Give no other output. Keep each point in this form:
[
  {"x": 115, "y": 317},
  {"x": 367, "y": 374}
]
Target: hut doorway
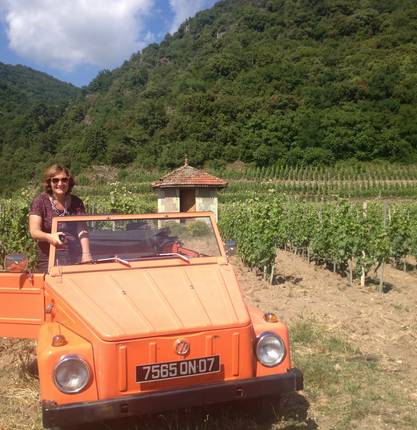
[{"x": 187, "y": 200}]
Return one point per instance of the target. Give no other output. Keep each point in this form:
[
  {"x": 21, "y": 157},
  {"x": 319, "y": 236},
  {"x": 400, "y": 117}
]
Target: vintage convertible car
[{"x": 154, "y": 321}]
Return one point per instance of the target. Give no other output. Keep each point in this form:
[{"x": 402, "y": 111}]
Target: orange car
[{"x": 155, "y": 321}]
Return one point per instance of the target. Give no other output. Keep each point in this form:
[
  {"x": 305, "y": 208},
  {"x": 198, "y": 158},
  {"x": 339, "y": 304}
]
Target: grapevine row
[
  {"x": 381, "y": 172},
  {"x": 350, "y": 238}
]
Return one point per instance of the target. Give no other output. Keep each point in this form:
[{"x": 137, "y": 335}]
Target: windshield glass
[{"x": 126, "y": 240}]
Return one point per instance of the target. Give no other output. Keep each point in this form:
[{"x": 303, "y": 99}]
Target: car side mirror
[
  {"x": 16, "y": 263},
  {"x": 230, "y": 246}
]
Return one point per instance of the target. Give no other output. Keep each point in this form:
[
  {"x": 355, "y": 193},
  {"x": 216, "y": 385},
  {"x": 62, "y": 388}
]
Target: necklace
[{"x": 57, "y": 211}]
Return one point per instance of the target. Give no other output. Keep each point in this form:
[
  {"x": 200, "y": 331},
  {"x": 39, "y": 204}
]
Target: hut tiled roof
[{"x": 188, "y": 177}]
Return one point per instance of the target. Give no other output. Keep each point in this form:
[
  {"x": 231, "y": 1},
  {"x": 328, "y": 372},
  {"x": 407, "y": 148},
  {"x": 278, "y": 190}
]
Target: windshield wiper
[
  {"x": 142, "y": 257},
  {"x": 114, "y": 259},
  {"x": 174, "y": 254}
]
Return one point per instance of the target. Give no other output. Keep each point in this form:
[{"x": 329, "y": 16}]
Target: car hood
[{"x": 143, "y": 302}]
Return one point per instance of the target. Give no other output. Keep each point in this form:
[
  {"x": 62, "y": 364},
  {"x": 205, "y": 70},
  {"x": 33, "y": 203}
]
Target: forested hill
[
  {"x": 262, "y": 81},
  {"x": 21, "y": 86},
  {"x": 30, "y": 102}
]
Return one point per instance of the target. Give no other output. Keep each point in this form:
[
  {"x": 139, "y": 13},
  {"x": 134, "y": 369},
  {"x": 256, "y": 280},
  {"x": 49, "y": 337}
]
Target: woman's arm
[
  {"x": 85, "y": 245},
  {"x": 83, "y": 235},
  {"x": 35, "y": 230}
]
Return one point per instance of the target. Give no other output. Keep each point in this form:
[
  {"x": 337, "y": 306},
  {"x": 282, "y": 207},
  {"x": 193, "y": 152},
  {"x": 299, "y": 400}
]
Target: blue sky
[{"x": 73, "y": 40}]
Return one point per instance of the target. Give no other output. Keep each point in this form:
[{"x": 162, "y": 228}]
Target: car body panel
[
  {"x": 48, "y": 356},
  {"x": 126, "y": 356},
  {"x": 138, "y": 302},
  {"x": 22, "y": 309}
]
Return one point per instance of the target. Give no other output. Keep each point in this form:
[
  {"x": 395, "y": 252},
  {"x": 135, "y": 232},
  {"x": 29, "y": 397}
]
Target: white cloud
[
  {"x": 65, "y": 33},
  {"x": 184, "y": 9},
  {"x": 2, "y": 8}
]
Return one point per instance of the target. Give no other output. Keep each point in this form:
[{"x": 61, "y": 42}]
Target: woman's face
[{"x": 59, "y": 183}]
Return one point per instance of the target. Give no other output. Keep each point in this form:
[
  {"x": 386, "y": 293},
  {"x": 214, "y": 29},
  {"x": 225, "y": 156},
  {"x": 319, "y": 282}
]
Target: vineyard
[
  {"x": 350, "y": 238},
  {"x": 351, "y": 219},
  {"x": 315, "y": 184}
]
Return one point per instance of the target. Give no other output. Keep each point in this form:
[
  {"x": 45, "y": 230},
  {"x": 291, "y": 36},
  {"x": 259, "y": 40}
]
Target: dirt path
[{"x": 377, "y": 323}]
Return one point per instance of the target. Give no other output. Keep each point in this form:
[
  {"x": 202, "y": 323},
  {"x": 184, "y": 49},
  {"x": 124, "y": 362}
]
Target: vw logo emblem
[{"x": 182, "y": 347}]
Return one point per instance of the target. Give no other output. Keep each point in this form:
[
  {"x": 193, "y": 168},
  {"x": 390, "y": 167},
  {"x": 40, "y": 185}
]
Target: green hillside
[
  {"x": 262, "y": 81},
  {"x": 30, "y": 103}
]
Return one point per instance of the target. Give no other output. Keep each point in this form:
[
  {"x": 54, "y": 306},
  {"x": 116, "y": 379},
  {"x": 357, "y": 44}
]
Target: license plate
[{"x": 178, "y": 369}]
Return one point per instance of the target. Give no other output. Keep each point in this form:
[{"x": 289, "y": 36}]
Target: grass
[
  {"x": 19, "y": 409},
  {"x": 344, "y": 389}
]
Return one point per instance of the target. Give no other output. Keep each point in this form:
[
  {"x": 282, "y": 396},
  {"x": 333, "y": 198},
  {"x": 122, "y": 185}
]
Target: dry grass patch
[
  {"x": 347, "y": 389},
  {"x": 19, "y": 407}
]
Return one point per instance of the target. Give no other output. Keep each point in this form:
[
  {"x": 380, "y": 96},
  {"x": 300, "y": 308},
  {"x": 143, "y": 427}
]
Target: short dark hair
[{"x": 53, "y": 170}]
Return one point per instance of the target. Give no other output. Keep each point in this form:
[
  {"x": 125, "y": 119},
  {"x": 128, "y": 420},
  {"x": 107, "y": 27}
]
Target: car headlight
[
  {"x": 71, "y": 374},
  {"x": 270, "y": 349}
]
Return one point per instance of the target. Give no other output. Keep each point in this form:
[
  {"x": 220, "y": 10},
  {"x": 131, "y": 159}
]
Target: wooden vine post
[
  {"x": 382, "y": 267},
  {"x": 271, "y": 278},
  {"x": 363, "y": 274},
  {"x": 350, "y": 266}
]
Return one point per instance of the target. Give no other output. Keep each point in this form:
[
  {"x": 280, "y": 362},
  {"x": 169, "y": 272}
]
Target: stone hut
[{"x": 188, "y": 189}]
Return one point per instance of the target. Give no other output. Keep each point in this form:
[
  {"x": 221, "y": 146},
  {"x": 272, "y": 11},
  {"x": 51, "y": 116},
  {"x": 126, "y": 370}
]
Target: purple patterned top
[{"x": 42, "y": 206}]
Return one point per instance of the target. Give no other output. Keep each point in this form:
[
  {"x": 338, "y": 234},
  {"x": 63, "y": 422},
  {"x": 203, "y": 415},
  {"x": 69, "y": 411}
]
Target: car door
[{"x": 22, "y": 309}]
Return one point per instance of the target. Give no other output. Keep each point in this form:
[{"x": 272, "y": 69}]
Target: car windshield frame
[{"x": 179, "y": 257}]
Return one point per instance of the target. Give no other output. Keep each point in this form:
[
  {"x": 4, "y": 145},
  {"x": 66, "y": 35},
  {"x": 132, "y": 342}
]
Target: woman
[{"x": 57, "y": 200}]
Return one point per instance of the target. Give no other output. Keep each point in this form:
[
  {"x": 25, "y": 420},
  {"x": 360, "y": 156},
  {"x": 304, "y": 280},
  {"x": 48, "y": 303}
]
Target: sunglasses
[{"x": 58, "y": 180}]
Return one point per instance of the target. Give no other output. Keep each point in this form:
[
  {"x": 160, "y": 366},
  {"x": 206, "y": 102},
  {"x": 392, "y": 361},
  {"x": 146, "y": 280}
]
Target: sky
[{"x": 73, "y": 40}]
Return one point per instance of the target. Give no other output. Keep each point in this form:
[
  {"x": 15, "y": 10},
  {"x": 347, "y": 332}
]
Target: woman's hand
[
  {"x": 35, "y": 229},
  {"x": 53, "y": 238},
  {"x": 85, "y": 256}
]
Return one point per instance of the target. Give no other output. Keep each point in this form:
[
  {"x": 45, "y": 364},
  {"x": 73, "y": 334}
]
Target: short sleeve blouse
[{"x": 42, "y": 206}]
